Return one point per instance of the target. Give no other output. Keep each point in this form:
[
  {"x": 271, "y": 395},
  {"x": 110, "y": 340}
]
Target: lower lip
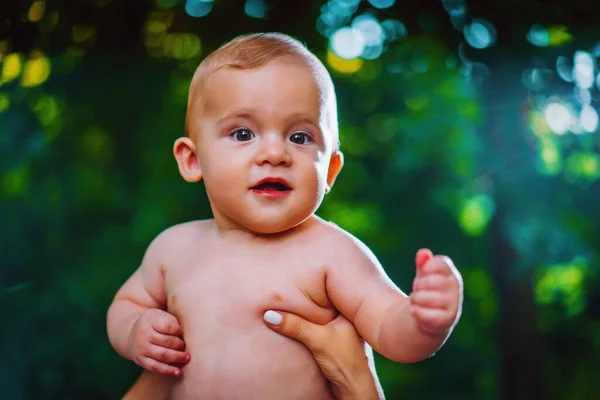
[{"x": 271, "y": 194}]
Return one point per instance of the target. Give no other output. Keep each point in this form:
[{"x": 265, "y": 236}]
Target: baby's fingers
[
  {"x": 168, "y": 341},
  {"x": 430, "y": 299},
  {"x": 433, "y": 282},
  {"x": 152, "y": 365},
  {"x": 168, "y": 356},
  {"x": 167, "y": 324},
  {"x": 438, "y": 265},
  {"x": 431, "y": 320}
]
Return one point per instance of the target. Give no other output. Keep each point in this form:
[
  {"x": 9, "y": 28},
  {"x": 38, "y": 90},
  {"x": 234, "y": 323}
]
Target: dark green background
[{"x": 440, "y": 152}]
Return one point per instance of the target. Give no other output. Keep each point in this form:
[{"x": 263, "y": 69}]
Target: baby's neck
[{"x": 244, "y": 232}]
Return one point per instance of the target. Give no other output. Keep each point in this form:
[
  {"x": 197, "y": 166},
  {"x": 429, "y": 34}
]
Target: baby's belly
[{"x": 255, "y": 363}]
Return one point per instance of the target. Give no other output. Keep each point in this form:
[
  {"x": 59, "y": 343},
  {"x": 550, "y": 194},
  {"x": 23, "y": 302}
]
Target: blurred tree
[{"x": 448, "y": 142}]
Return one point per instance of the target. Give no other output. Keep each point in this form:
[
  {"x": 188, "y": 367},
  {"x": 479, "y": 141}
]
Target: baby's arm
[
  {"x": 403, "y": 329},
  {"x": 138, "y": 327}
]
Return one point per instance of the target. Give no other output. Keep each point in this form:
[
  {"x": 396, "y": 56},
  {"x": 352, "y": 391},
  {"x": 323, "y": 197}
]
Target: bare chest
[
  {"x": 219, "y": 295},
  {"x": 233, "y": 285}
]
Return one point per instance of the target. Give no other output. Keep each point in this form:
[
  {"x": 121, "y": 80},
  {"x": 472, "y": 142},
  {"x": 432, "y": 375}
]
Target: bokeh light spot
[
  {"x": 562, "y": 283},
  {"x": 182, "y": 46},
  {"x": 342, "y": 8},
  {"x": 15, "y": 182},
  {"x": 480, "y": 34},
  {"x": 347, "y": 43},
  {"x": 583, "y": 69},
  {"x": 343, "y": 65},
  {"x": 4, "y": 102},
  {"x": 538, "y": 36},
  {"x": 393, "y": 29},
  {"x": 255, "y": 8},
  {"x": 538, "y": 123},
  {"x": 558, "y": 35},
  {"x": 584, "y": 164},
  {"x": 11, "y": 68},
  {"x": 564, "y": 68},
  {"x": 559, "y": 117},
  {"x": 588, "y": 118},
  {"x": 583, "y": 96},
  {"x": 47, "y": 109},
  {"x": 536, "y": 79},
  {"x": 36, "y": 11},
  {"x": 372, "y": 52},
  {"x": 478, "y": 283},
  {"x": 550, "y": 157},
  {"x": 476, "y": 214},
  {"x": 370, "y": 29},
  {"x": 36, "y": 71},
  {"x": 198, "y": 8},
  {"x": 156, "y": 27},
  {"x": 382, "y": 3}
]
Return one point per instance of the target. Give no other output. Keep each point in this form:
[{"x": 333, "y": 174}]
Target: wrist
[
  {"x": 433, "y": 333},
  {"x": 360, "y": 387},
  {"x": 130, "y": 325}
]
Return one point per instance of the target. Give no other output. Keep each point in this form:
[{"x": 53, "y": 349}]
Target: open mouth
[{"x": 272, "y": 186}]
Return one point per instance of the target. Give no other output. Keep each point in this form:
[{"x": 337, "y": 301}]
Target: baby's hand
[
  {"x": 436, "y": 299},
  {"x": 154, "y": 343}
]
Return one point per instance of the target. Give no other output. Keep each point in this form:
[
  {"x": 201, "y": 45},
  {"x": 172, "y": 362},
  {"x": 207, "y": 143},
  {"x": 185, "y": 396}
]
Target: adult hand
[
  {"x": 150, "y": 386},
  {"x": 344, "y": 358}
]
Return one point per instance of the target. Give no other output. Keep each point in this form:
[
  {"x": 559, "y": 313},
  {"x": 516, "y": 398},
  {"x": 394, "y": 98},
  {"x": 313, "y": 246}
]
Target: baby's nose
[{"x": 273, "y": 151}]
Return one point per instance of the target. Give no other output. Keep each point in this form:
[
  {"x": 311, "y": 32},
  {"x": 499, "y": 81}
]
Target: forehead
[{"x": 277, "y": 88}]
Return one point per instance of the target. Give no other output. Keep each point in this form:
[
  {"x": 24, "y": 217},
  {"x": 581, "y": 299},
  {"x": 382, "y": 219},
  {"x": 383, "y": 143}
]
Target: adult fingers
[{"x": 294, "y": 327}]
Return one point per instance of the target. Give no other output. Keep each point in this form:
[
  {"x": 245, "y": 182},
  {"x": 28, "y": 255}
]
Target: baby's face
[{"x": 264, "y": 145}]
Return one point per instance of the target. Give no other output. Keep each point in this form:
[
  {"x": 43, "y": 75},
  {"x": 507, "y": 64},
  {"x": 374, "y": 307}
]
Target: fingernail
[{"x": 272, "y": 317}]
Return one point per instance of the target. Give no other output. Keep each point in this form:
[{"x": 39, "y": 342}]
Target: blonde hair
[{"x": 257, "y": 49}]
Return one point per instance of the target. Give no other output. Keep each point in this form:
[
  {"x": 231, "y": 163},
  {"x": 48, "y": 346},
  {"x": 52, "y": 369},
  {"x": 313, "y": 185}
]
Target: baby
[{"x": 262, "y": 133}]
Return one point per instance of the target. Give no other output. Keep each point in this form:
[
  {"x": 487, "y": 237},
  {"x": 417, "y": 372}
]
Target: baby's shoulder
[
  {"x": 341, "y": 244},
  {"x": 180, "y": 236}
]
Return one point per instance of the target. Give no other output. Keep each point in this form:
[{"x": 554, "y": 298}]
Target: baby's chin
[{"x": 273, "y": 226}]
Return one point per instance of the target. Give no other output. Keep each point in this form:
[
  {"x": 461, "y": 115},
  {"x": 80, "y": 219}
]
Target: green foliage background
[{"x": 451, "y": 156}]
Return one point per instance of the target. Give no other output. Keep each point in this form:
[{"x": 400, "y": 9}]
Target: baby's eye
[
  {"x": 242, "y": 135},
  {"x": 300, "y": 138}
]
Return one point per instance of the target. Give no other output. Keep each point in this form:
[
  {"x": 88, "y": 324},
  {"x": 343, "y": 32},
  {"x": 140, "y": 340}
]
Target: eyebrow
[
  {"x": 244, "y": 114},
  {"x": 249, "y": 114}
]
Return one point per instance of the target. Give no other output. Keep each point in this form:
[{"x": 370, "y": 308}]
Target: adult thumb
[{"x": 294, "y": 327}]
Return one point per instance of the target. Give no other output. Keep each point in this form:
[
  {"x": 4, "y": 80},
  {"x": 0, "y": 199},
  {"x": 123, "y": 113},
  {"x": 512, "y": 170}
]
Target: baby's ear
[
  {"x": 335, "y": 166},
  {"x": 184, "y": 151}
]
